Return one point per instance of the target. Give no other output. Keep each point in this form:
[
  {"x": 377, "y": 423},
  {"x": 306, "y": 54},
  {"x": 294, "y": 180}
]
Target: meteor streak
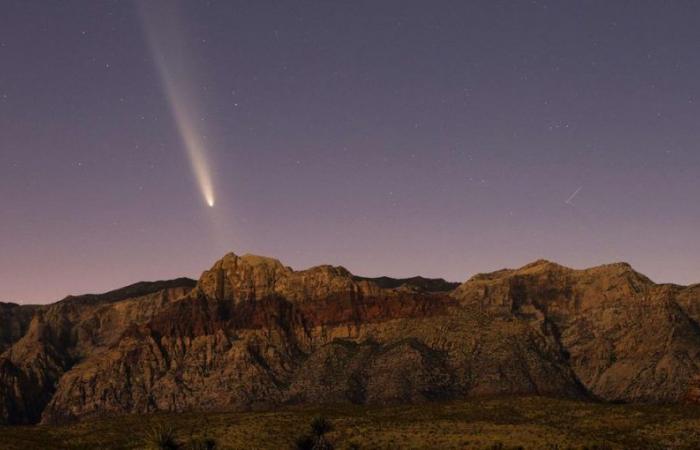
[
  {"x": 572, "y": 196},
  {"x": 165, "y": 37}
]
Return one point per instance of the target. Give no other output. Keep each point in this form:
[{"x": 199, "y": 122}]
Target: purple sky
[{"x": 440, "y": 138}]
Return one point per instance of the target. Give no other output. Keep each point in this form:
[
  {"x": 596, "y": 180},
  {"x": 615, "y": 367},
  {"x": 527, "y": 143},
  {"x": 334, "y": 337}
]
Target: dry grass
[{"x": 508, "y": 423}]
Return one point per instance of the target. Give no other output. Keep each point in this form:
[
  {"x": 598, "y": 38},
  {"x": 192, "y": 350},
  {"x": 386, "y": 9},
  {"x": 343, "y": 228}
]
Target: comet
[{"x": 165, "y": 34}]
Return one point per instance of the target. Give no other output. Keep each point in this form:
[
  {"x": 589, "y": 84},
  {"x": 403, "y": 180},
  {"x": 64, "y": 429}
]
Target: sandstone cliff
[
  {"x": 59, "y": 335},
  {"x": 254, "y": 333},
  {"x": 14, "y": 321},
  {"x": 626, "y": 338}
]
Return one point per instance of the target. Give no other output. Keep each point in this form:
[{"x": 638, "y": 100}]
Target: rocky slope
[
  {"x": 58, "y": 336},
  {"x": 14, "y": 321},
  {"x": 253, "y": 334},
  {"x": 626, "y": 338}
]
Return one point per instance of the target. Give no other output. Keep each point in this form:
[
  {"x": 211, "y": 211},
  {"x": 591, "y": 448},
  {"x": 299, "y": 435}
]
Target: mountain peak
[
  {"x": 248, "y": 276},
  {"x": 541, "y": 265},
  {"x": 622, "y": 266},
  {"x": 252, "y": 259},
  {"x": 254, "y": 331}
]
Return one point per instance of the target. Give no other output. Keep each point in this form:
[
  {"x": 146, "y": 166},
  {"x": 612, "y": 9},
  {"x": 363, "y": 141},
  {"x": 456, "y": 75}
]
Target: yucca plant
[
  {"x": 161, "y": 437},
  {"x": 320, "y": 426},
  {"x": 316, "y": 439}
]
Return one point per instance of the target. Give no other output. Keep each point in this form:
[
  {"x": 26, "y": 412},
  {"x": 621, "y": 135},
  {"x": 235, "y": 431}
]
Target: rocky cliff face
[
  {"x": 58, "y": 336},
  {"x": 626, "y": 338},
  {"x": 14, "y": 321},
  {"x": 253, "y": 334}
]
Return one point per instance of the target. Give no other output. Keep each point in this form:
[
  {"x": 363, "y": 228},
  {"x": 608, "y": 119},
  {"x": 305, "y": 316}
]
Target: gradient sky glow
[{"x": 440, "y": 138}]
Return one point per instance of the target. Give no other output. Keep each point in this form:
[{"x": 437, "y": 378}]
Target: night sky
[{"x": 441, "y": 138}]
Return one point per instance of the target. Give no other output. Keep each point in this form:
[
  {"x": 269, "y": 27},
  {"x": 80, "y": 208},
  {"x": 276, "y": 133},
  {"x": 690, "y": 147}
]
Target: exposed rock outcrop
[
  {"x": 14, "y": 321},
  {"x": 64, "y": 333},
  {"x": 627, "y": 338},
  {"x": 254, "y": 333}
]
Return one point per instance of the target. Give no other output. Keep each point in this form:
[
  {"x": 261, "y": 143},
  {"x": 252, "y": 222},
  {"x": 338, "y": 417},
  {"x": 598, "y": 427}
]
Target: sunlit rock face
[
  {"x": 625, "y": 338},
  {"x": 254, "y": 333},
  {"x": 61, "y": 335}
]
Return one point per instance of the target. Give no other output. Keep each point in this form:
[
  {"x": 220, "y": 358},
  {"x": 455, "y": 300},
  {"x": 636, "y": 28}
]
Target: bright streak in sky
[
  {"x": 196, "y": 150},
  {"x": 165, "y": 35}
]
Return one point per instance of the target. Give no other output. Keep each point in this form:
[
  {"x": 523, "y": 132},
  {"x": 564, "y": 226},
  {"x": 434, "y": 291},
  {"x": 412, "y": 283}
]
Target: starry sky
[{"x": 441, "y": 138}]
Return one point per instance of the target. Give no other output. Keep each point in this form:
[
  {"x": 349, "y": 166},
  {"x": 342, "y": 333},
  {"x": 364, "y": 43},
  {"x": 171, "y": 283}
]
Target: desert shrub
[
  {"x": 207, "y": 443},
  {"x": 161, "y": 438},
  {"x": 305, "y": 442},
  {"x": 316, "y": 439},
  {"x": 320, "y": 426}
]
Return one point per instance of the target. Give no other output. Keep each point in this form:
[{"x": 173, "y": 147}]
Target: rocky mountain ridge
[{"x": 253, "y": 333}]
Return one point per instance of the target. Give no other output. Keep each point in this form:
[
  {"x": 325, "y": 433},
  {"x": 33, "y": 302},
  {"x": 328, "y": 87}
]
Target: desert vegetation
[
  {"x": 317, "y": 436},
  {"x": 497, "y": 423}
]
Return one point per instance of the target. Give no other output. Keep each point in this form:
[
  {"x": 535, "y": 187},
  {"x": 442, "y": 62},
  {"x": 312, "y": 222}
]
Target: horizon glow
[{"x": 393, "y": 138}]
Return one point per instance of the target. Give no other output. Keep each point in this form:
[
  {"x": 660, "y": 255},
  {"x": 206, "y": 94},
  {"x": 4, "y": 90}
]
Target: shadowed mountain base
[{"x": 498, "y": 423}]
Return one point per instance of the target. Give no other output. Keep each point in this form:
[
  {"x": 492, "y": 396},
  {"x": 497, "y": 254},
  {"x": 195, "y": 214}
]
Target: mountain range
[{"x": 253, "y": 334}]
